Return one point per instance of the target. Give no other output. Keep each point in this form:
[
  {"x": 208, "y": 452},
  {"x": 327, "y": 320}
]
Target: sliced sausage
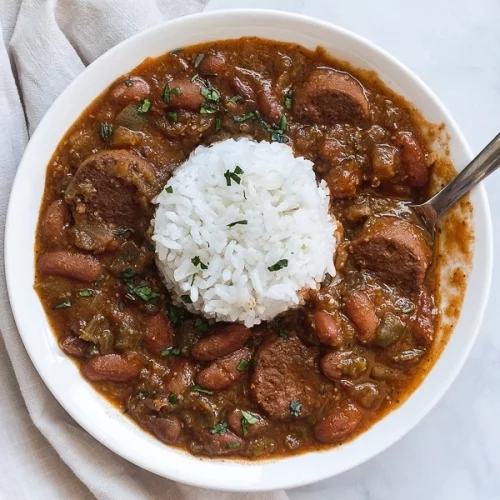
[
  {"x": 158, "y": 334},
  {"x": 212, "y": 64},
  {"x": 226, "y": 443},
  {"x": 222, "y": 373},
  {"x": 242, "y": 88},
  {"x": 242, "y": 427},
  {"x": 328, "y": 97},
  {"x": 229, "y": 339},
  {"x": 360, "y": 309},
  {"x": 269, "y": 104},
  {"x": 112, "y": 368},
  {"x": 167, "y": 429},
  {"x": 339, "y": 424},
  {"x": 69, "y": 264},
  {"x": 54, "y": 222},
  {"x": 395, "y": 251},
  {"x": 132, "y": 89},
  {"x": 180, "y": 377},
  {"x": 338, "y": 364},
  {"x": 326, "y": 328},
  {"x": 413, "y": 159},
  {"x": 188, "y": 96},
  {"x": 73, "y": 346},
  {"x": 422, "y": 328},
  {"x": 286, "y": 375}
]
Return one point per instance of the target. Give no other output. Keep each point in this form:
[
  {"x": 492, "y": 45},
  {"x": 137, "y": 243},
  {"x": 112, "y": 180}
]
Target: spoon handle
[{"x": 484, "y": 164}]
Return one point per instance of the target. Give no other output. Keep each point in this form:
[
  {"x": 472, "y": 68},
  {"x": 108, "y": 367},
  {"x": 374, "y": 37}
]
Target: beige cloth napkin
[{"x": 44, "y": 454}]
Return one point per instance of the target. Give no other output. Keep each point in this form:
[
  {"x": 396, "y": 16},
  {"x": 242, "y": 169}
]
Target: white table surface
[{"x": 454, "y": 45}]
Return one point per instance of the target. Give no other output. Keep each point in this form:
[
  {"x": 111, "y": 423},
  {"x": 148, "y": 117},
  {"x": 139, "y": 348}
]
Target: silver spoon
[{"x": 484, "y": 164}]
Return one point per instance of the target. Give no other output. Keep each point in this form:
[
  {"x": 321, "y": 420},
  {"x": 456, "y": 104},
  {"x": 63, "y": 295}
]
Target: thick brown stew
[{"x": 313, "y": 377}]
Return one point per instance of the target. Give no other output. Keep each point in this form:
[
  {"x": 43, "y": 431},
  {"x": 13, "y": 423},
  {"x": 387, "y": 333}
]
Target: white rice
[{"x": 287, "y": 219}]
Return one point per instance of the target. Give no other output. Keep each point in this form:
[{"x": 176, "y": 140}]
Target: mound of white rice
[{"x": 242, "y": 229}]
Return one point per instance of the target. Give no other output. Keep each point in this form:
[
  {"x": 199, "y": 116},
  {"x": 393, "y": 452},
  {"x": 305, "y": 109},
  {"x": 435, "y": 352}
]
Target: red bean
[
  {"x": 132, "y": 89},
  {"x": 222, "y": 343},
  {"x": 112, "y": 367},
  {"x": 69, "y": 264},
  {"x": 235, "y": 423},
  {"x": 158, "y": 334},
  {"x": 423, "y": 326},
  {"x": 226, "y": 443},
  {"x": 212, "y": 64},
  {"x": 269, "y": 105},
  {"x": 222, "y": 373},
  {"x": 360, "y": 309},
  {"x": 73, "y": 346},
  {"x": 167, "y": 429},
  {"x": 413, "y": 159},
  {"x": 242, "y": 88},
  {"x": 338, "y": 364},
  {"x": 54, "y": 222},
  {"x": 326, "y": 328},
  {"x": 185, "y": 94},
  {"x": 339, "y": 424}
]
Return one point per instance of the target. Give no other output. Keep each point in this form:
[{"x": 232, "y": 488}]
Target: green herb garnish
[
  {"x": 295, "y": 408},
  {"x": 175, "y": 314},
  {"x": 242, "y": 222},
  {"x": 172, "y": 116},
  {"x": 208, "y": 109},
  {"x": 243, "y": 118},
  {"x": 176, "y": 91},
  {"x": 197, "y": 388},
  {"x": 283, "y": 123},
  {"x": 276, "y": 325},
  {"x": 279, "y": 265},
  {"x": 232, "y": 446},
  {"x": 235, "y": 99},
  {"x": 279, "y": 137},
  {"x": 235, "y": 176},
  {"x": 249, "y": 417},
  {"x": 144, "y": 106},
  {"x": 98, "y": 280},
  {"x": 219, "y": 428},
  {"x": 200, "y": 325},
  {"x": 171, "y": 351},
  {"x": 127, "y": 274},
  {"x": 176, "y": 51},
  {"x": 166, "y": 93},
  {"x": 143, "y": 292},
  {"x": 169, "y": 189},
  {"x": 128, "y": 83},
  {"x": 172, "y": 399},
  {"x": 253, "y": 363},
  {"x": 86, "y": 293},
  {"x": 218, "y": 124},
  {"x": 198, "y": 60},
  {"x": 210, "y": 94},
  {"x": 186, "y": 299},
  {"x": 195, "y": 77},
  {"x": 288, "y": 99},
  {"x": 142, "y": 395},
  {"x": 63, "y": 305},
  {"x": 242, "y": 365},
  {"x": 105, "y": 130},
  {"x": 197, "y": 262}
]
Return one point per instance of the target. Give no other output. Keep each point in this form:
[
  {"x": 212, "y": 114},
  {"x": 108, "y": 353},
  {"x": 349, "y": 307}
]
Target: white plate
[{"x": 60, "y": 374}]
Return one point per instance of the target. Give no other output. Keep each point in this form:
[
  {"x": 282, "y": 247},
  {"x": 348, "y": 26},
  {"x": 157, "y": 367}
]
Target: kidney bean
[
  {"x": 238, "y": 427},
  {"x": 69, "y": 264},
  {"x": 339, "y": 424},
  {"x": 226, "y": 443},
  {"x": 189, "y": 95},
  {"x": 54, "y": 222},
  {"x": 167, "y": 429},
  {"x": 326, "y": 328},
  {"x": 337, "y": 364},
  {"x": 158, "y": 334},
  {"x": 360, "y": 309},
  {"x": 73, "y": 346},
  {"x": 112, "y": 367},
  {"x": 222, "y": 343},
  {"x": 268, "y": 104},
  {"x": 222, "y": 373},
  {"x": 212, "y": 64},
  {"x": 242, "y": 88},
  {"x": 413, "y": 159},
  {"x": 422, "y": 328},
  {"x": 132, "y": 89}
]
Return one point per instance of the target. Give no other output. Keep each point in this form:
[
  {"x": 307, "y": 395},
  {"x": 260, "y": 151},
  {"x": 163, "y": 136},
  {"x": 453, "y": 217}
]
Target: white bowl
[{"x": 61, "y": 375}]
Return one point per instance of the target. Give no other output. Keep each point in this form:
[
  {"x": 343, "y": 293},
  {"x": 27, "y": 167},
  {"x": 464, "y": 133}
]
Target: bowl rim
[{"x": 228, "y": 483}]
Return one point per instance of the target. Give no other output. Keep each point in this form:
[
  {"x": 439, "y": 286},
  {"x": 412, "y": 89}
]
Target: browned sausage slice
[
  {"x": 286, "y": 381},
  {"x": 112, "y": 367},
  {"x": 187, "y": 96},
  {"x": 339, "y": 424},
  {"x": 328, "y": 97},
  {"x": 360, "y": 309},
  {"x": 413, "y": 159},
  {"x": 158, "y": 334},
  {"x": 423, "y": 325},
  {"x": 54, "y": 222},
  {"x": 229, "y": 339},
  {"x": 212, "y": 64},
  {"x": 180, "y": 378},
  {"x": 226, "y": 443},
  {"x": 69, "y": 264},
  {"x": 222, "y": 373},
  {"x": 132, "y": 89},
  {"x": 395, "y": 250}
]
